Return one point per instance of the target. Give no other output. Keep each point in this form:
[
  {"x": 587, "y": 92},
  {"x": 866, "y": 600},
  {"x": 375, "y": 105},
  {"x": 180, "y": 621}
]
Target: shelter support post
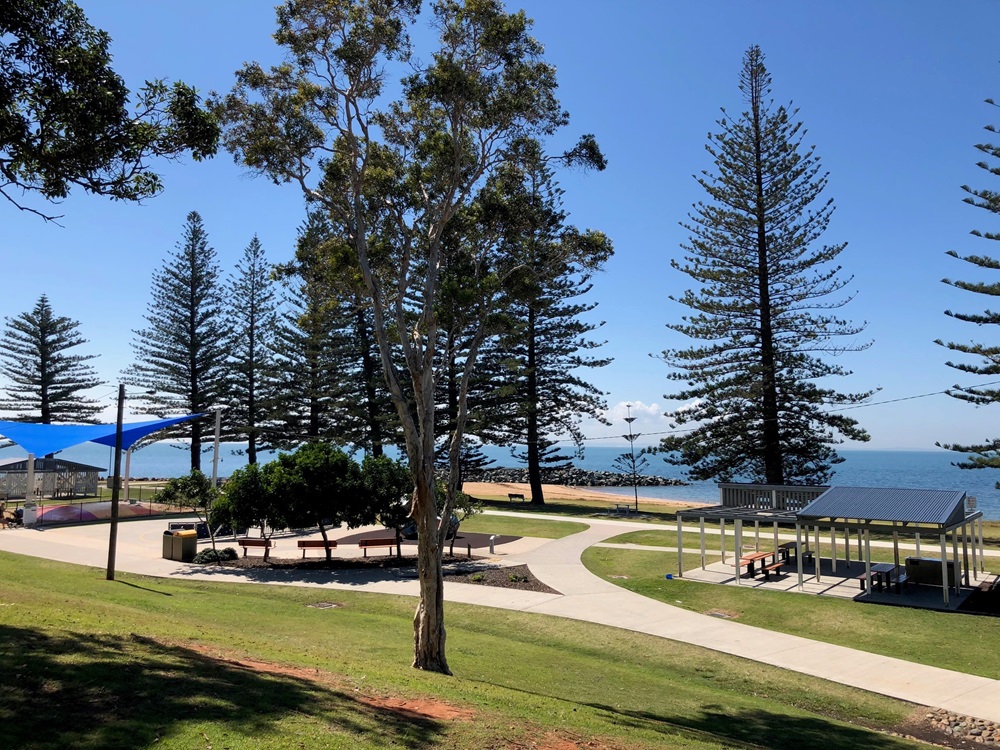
[
  {"x": 944, "y": 567},
  {"x": 982, "y": 568},
  {"x": 722, "y": 538},
  {"x": 816, "y": 556},
  {"x": 776, "y": 535},
  {"x": 833, "y": 548},
  {"x": 965, "y": 553},
  {"x": 680, "y": 547},
  {"x": 975, "y": 562},
  {"x": 895, "y": 549},
  {"x": 847, "y": 548},
  {"x": 701, "y": 525},
  {"x": 955, "y": 562},
  {"x": 917, "y": 537},
  {"x": 861, "y": 552},
  {"x": 29, "y": 482},
  {"x": 798, "y": 552},
  {"x": 738, "y": 547},
  {"x": 868, "y": 560},
  {"x": 756, "y": 536}
]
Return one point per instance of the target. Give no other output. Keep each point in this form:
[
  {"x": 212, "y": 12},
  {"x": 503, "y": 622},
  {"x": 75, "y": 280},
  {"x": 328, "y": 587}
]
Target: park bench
[
  {"x": 322, "y": 544},
  {"x": 772, "y": 568},
  {"x": 512, "y": 496},
  {"x": 265, "y": 544},
  {"x": 386, "y": 541}
]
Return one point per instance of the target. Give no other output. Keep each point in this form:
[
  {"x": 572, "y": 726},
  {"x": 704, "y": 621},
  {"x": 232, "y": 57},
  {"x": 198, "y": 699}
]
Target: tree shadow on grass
[
  {"x": 760, "y": 728},
  {"x": 99, "y": 691}
]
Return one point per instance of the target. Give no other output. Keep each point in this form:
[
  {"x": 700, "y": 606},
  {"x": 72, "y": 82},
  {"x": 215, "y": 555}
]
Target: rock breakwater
[{"x": 572, "y": 477}]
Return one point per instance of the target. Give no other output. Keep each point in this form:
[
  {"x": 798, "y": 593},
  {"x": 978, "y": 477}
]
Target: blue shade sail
[{"x": 42, "y": 439}]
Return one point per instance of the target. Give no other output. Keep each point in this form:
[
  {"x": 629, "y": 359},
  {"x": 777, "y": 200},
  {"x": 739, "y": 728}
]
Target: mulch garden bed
[{"x": 458, "y": 568}]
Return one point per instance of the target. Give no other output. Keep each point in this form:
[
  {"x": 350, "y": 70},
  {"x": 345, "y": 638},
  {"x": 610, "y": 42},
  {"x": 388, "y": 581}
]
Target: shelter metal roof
[
  {"x": 733, "y": 513},
  {"x": 48, "y": 464},
  {"x": 939, "y": 507}
]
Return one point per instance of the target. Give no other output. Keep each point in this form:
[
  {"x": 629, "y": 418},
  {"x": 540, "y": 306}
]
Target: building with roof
[{"x": 53, "y": 477}]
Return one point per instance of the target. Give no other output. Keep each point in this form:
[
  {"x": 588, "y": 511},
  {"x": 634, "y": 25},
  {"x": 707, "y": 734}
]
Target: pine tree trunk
[
  {"x": 534, "y": 457},
  {"x": 773, "y": 464}
]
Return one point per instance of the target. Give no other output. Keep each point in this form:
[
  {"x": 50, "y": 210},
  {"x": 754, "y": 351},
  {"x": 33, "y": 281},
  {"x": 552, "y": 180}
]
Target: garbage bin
[
  {"x": 30, "y": 517},
  {"x": 168, "y": 545},
  {"x": 185, "y": 545}
]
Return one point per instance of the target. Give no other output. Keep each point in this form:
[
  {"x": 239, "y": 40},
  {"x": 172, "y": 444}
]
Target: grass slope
[
  {"x": 964, "y": 643},
  {"x": 143, "y": 662}
]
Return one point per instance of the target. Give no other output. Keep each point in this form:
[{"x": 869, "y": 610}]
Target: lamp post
[
  {"x": 631, "y": 444},
  {"x": 215, "y": 456},
  {"x": 113, "y": 539}
]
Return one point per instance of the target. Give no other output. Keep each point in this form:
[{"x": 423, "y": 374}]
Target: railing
[{"x": 768, "y": 496}]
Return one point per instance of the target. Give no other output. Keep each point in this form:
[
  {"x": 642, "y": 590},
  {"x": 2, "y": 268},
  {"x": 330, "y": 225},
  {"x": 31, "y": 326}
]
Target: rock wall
[{"x": 572, "y": 477}]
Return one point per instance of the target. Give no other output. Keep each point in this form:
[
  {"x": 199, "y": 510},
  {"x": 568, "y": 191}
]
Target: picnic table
[
  {"x": 882, "y": 577},
  {"x": 751, "y": 559},
  {"x": 623, "y": 509}
]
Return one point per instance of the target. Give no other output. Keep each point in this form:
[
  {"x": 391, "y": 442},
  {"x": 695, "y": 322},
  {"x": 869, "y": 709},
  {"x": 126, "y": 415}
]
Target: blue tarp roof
[{"x": 42, "y": 439}]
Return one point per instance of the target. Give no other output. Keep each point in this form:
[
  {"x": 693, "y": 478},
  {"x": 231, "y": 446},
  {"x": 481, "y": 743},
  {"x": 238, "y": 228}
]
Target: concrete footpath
[{"x": 583, "y": 596}]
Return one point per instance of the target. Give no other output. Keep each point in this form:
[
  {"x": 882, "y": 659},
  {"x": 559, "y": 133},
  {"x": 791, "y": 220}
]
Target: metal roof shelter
[
  {"x": 52, "y": 477},
  {"x": 889, "y": 504},
  {"x": 937, "y": 513}
]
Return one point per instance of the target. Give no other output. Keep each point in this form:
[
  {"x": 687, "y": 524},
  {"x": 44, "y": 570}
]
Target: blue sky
[{"x": 891, "y": 94}]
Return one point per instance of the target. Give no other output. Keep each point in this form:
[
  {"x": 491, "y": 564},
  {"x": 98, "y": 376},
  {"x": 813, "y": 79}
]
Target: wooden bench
[
  {"x": 322, "y": 544},
  {"x": 772, "y": 568},
  {"x": 266, "y": 544},
  {"x": 512, "y": 496},
  {"x": 386, "y": 541}
]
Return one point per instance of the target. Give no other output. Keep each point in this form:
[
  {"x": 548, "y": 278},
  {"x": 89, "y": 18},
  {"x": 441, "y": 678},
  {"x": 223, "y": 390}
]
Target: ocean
[{"x": 909, "y": 469}]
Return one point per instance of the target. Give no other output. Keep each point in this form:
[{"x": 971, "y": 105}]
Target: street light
[
  {"x": 631, "y": 444},
  {"x": 218, "y": 432}
]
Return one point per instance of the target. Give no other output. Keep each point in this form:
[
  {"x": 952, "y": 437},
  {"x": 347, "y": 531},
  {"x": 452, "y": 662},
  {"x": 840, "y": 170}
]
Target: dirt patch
[
  {"x": 514, "y": 577},
  {"x": 561, "y": 741},
  {"x": 725, "y": 614},
  {"x": 420, "y": 709},
  {"x": 417, "y": 709}
]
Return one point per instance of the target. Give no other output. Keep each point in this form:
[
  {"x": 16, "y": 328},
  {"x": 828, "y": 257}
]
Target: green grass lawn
[
  {"x": 521, "y": 526},
  {"x": 960, "y": 642},
  {"x": 144, "y": 662}
]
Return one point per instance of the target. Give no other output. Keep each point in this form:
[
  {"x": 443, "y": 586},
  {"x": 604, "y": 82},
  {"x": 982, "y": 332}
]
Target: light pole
[
  {"x": 215, "y": 456},
  {"x": 631, "y": 444},
  {"x": 113, "y": 540}
]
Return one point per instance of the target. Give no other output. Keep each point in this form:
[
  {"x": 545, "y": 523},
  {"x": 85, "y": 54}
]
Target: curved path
[{"x": 583, "y": 596}]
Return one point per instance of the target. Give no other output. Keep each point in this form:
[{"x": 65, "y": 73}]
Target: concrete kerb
[{"x": 584, "y": 597}]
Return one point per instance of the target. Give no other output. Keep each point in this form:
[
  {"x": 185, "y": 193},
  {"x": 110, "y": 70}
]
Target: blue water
[{"x": 910, "y": 469}]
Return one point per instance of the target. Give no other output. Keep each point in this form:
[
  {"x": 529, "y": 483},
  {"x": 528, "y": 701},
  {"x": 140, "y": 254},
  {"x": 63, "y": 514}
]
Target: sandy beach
[{"x": 558, "y": 492}]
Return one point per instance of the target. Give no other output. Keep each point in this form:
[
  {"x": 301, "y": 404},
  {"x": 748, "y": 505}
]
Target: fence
[{"x": 768, "y": 496}]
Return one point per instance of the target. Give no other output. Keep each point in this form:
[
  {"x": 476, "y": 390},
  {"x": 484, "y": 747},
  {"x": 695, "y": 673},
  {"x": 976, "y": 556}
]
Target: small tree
[
  {"x": 321, "y": 486},
  {"x": 46, "y": 378},
  {"x": 193, "y": 491},
  {"x": 251, "y": 499}
]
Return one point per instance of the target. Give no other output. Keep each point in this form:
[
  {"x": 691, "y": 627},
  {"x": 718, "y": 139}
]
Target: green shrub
[{"x": 215, "y": 555}]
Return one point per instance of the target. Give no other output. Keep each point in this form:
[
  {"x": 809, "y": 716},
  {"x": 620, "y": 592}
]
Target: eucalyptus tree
[
  {"x": 985, "y": 356},
  {"x": 46, "y": 376},
  {"x": 252, "y": 314},
  {"x": 181, "y": 355},
  {"x": 67, "y": 119},
  {"x": 393, "y": 174},
  {"x": 763, "y": 312}
]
